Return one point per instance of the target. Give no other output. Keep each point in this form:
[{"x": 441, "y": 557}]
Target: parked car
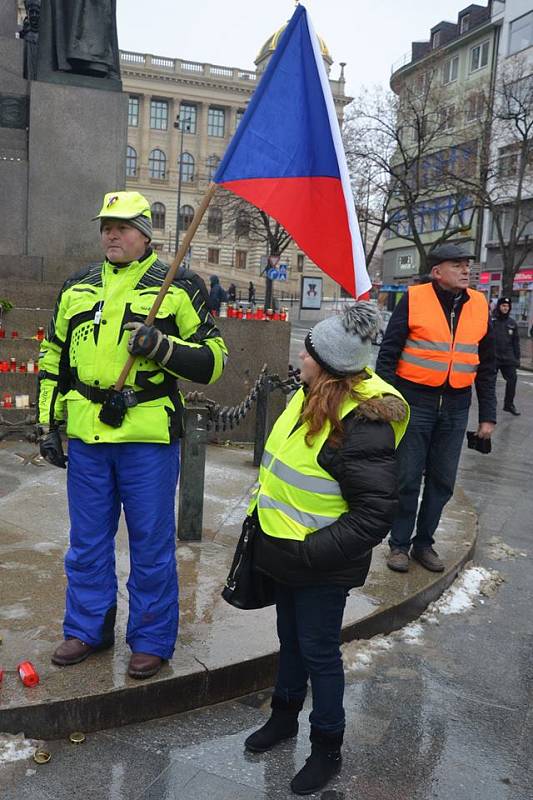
[{"x": 384, "y": 317}]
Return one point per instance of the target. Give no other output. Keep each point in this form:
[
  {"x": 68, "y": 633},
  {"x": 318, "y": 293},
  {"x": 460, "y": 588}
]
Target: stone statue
[
  {"x": 30, "y": 34},
  {"x": 84, "y": 36}
]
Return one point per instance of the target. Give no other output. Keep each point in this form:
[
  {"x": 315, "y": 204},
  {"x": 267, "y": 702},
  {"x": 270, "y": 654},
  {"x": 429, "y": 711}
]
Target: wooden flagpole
[{"x": 178, "y": 258}]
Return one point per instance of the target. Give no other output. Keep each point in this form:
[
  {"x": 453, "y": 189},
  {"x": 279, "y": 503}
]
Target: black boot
[
  {"x": 512, "y": 409},
  {"x": 322, "y": 765},
  {"x": 283, "y": 724}
]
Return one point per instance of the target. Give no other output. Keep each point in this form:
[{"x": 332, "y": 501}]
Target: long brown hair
[{"x": 323, "y": 401}]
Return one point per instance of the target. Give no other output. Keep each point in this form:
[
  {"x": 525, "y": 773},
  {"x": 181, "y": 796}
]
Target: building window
[
  {"x": 238, "y": 117},
  {"x": 447, "y": 118},
  {"x": 521, "y": 33},
  {"x": 300, "y": 259},
  {"x": 213, "y": 255},
  {"x": 242, "y": 225},
  {"x": 240, "y": 259},
  {"x": 214, "y": 221},
  {"x": 474, "y": 107},
  {"x": 133, "y": 112},
  {"x": 215, "y": 122},
  {"x": 450, "y": 70},
  {"x": 212, "y": 166},
  {"x": 479, "y": 56},
  {"x": 157, "y": 164},
  {"x": 435, "y": 40},
  {"x": 187, "y": 168},
  {"x": 188, "y": 117},
  {"x": 464, "y": 24},
  {"x": 131, "y": 162},
  {"x": 159, "y": 115},
  {"x": 186, "y": 215},
  {"x": 158, "y": 216}
]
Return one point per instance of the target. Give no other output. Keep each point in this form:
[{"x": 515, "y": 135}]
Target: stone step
[
  {"x": 25, "y": 320},
  {"x": 30, "y": 294},
  {"x": 21, "y": 348}
]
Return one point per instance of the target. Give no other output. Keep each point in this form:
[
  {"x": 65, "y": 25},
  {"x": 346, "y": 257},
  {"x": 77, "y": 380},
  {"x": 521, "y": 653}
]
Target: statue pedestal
[{"x": 77, "y": 152}]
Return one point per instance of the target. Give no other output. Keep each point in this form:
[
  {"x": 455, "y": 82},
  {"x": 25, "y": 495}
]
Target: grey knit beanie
[
  {"x": 342, "y": 345},
  {"x": 143, "y": 224}
]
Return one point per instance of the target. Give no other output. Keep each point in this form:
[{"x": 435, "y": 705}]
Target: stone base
[{"x": 77, "y": 153}]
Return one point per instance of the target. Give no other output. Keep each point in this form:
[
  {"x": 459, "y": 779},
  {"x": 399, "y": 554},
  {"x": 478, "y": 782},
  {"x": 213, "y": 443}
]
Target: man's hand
[
  {"x": 145, "y": 340},
  {"x": 148, "y": 341},
  {"x": 51, "y": 447},
  {"x": 485, "y": 430}
]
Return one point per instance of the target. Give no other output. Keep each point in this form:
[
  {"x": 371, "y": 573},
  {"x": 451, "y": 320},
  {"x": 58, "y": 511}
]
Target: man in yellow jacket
[{"x": 123, "y": 446}]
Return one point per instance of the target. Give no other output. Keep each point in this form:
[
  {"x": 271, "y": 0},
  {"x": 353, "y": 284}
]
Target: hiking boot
[
  {"x": 72, "y": 651},
  {"x": 428, "y": 558},
  {"x": 512, "y": 409},
  {"x": 322, "y": 765},
  {"x": 398, "y": 560},
  {"x": 283, "y": 724},
  {"x": 144, "y": 665}
]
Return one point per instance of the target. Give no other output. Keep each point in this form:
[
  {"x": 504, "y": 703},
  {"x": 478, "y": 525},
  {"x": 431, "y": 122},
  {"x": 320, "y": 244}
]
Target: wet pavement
[
  {"x": 221, "y": 652},
  {"x": 443, "y": 714}
]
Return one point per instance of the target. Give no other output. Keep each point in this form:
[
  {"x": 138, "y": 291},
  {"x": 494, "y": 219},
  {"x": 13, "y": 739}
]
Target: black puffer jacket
[{"x": 365, "y": 468}]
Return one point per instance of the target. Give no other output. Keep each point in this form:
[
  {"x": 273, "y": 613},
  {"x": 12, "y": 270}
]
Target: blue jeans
[
  {"x": 140, "y": 477},
  {"x": 309, "y": 628},
  {"x": 430, "y": 448}
]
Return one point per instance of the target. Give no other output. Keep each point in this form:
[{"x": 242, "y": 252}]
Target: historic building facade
[
  {"x": 449, "y": 79},
  {"x": 183, "y": 112}
]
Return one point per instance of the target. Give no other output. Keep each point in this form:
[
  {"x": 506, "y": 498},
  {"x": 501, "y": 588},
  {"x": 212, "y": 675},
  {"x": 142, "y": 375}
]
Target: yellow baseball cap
[{"x": 131, "y": 206}]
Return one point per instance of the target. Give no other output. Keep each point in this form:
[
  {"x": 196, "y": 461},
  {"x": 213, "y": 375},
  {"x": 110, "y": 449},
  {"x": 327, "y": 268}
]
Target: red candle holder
[{"x": 14, "y": 334}]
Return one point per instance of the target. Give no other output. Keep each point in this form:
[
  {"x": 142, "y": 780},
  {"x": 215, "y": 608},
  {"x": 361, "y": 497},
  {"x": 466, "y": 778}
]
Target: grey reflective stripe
[
  {"x": 464, "y": 368},
  {"x": 267, "y": 458},
  {"x": 301, "y": 517},
  {"x": 421, "y": 344},
  {"x": 306, "y": 482},
  {"x": 466, "y": 348},
  {"x": 438, "y": 366}
]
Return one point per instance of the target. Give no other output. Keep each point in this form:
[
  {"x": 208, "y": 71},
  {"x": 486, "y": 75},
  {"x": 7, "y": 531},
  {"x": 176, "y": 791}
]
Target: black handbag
[{"x": 246, "y": 587}]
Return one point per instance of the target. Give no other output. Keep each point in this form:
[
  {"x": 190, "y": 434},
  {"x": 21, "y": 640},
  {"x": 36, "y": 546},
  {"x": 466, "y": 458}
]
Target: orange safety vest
[{"x": 433, "y": 354}]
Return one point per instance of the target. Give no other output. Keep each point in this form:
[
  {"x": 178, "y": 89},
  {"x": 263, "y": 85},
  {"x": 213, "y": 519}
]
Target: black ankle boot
[
  {"x": 322, "y": 765},
  {"x": 283, "y": 724}
]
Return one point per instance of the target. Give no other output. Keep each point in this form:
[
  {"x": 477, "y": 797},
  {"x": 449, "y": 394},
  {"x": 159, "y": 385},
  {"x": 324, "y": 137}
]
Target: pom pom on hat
[{"x": 342, "y": 345}]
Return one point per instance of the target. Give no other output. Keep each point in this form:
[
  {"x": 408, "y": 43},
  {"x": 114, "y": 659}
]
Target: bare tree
[
  {"x": 504, "y": 185},
  {"x": 242, "y": 220},
  {"x": 398, "y": 148}
]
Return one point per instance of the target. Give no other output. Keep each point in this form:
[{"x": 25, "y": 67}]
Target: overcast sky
[{"x": 369, "y": 35}]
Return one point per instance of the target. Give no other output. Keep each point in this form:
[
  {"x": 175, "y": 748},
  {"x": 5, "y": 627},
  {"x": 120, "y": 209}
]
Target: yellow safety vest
[{"x": 295, "y": 495}]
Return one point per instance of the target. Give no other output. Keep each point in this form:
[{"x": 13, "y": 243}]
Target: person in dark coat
[
  {"x": 507, "y": 343},
  {"x": 438, "y": 344},
  {"x": 232, "y": 293},
  {"x": 217, "y": 295},
  {"x": 251, "y": 292},
  {"x": 327, "y": 495}
]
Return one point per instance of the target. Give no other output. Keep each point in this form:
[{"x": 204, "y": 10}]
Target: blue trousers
[
  {"x": 431, "y": 449},
  {"x": 141, "y": 478},
  {"x": 309, "y": 623}
]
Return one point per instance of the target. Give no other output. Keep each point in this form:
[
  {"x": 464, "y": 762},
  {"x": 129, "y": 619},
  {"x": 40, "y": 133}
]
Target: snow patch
[
  {"x": 14, "y": 747},
  {"x": 468, "y": 588},
  {"x": 498, "y": 550}
]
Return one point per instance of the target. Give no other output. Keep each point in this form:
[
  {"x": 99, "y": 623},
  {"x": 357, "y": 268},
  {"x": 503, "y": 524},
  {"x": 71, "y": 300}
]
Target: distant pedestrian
[
  {"x": 327, "y": 494},
  {"x": 217, "y": 295},
  {"x": 232, "y": 293},
  {"x": 507, "y": 342},
  {"x": 438, "y": 343},
  {"x": 251, "y": 292}
]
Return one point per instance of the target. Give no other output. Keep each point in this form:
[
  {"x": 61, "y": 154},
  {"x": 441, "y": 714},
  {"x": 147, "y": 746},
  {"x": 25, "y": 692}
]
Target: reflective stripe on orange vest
[{"x": 433, "y": 355}]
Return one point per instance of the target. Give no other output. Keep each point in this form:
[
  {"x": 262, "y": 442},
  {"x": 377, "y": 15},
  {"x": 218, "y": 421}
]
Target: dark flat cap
[{"x": 449, "y": 252}]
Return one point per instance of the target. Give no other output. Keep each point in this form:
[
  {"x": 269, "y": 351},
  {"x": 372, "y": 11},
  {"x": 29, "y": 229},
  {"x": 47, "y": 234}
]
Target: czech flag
[{"x": 287, "y": 158}]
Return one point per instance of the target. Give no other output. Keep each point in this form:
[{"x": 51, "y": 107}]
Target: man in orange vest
[{"x": 438, "y": 342}]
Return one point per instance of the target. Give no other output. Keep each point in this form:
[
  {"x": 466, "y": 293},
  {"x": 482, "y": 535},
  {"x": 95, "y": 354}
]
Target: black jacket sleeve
[
  {"x": 486, "y": 377},
  {"x": 365, "y": 468},
  {"x": 393, "y": 341}
]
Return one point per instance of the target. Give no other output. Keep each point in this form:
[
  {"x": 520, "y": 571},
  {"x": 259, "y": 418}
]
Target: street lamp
[{"x": 182, "y": 124}]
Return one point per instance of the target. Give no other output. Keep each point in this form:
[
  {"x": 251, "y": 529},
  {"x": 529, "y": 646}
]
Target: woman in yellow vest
[{"x": 327, "y": 494}]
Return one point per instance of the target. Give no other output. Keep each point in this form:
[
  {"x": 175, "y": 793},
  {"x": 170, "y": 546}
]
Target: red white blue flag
[{"x": 287, "y": 158}]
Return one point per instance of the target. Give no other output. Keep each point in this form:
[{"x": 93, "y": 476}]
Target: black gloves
[
  {"x": 51, "y": 448},
  {"x": 148, "y": 341}
]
